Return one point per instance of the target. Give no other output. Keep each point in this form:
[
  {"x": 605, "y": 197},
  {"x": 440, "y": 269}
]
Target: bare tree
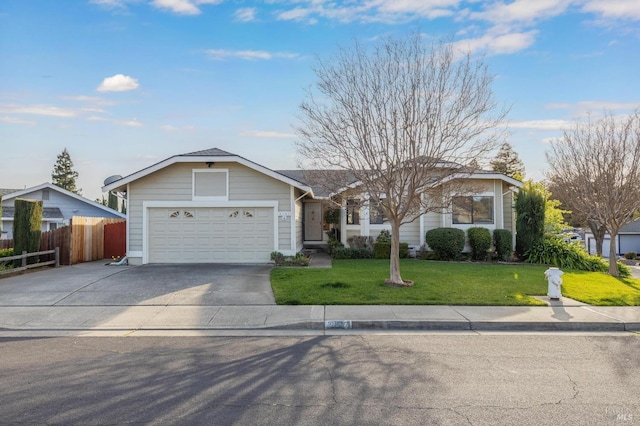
[
  {"x": 597, "y": 167},
  {"x": 403, "y": 118}
]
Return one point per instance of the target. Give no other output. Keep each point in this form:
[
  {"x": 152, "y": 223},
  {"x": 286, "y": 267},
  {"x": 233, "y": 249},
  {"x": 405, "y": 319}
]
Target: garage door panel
[{"x": 202, "y": 235}]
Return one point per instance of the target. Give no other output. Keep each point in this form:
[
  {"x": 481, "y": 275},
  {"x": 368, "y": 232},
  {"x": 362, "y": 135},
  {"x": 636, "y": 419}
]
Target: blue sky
[{"x": 126, "y": 83}]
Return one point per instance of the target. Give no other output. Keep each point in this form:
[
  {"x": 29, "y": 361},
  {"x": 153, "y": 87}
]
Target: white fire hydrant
[{"x": 555, "y": 282}]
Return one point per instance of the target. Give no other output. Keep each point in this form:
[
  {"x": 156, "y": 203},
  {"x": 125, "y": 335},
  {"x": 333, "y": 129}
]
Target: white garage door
[{"x": 210, "y": 235}]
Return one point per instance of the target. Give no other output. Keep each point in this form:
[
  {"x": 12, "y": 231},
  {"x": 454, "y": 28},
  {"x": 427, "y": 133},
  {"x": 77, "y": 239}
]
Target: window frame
[
  {"x": 472, "y": 210},
  {"x": 196, "y": 197}
]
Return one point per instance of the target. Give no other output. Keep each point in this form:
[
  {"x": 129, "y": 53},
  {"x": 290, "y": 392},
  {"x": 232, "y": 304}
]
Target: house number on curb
[{"x": 341, "y": 324}]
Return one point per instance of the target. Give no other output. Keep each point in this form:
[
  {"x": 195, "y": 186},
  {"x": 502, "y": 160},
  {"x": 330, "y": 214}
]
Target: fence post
[
  {"x": 57, "y": 256},
  {"x": 24, "y": 258}
]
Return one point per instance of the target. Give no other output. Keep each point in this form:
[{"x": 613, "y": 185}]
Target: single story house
[
  {"x": 58, "y": 207},
  {"x": 628, "y": 239},
  {"x": 213, "y": 206}
]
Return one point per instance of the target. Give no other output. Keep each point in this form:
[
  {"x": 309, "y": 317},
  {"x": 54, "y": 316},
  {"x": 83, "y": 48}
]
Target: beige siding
[
  {"x": 298, "y": 219},
  {"x": 174, "y": 183},
  {"x": 410, "y": 233},
  {"x": 507, "y": 207}
]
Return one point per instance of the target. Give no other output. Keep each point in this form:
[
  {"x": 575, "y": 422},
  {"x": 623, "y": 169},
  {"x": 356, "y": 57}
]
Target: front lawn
[{"x": 361, "y": 282}]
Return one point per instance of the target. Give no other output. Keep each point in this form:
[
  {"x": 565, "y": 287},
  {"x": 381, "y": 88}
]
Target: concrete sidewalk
[{"x": 128, "y": 319}]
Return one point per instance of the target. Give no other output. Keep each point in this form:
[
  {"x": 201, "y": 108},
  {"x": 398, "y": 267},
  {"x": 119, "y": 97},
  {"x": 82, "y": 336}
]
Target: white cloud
[
  {"x": 48, "y": 110},
  {"x": 118, "y": 83},
  {"x": 94, "y": 100},
  {"x": 170, "y": 128},
  {"x": 250, "y": 55},
  {"x": 522, "y": 11},
  {"x": 245, "y": 14},
  {"x": 389, "y": 11},
  {"x": 540, "y": 124},
  {"x": 14, "y": 120},
  {"x": 267, "y": 134},
  {"x": 498, "y": 44},
  {"x": 618, "y": 9},
  {"x": 183, "y": 7},
  {"x": 128, "y": 123}
]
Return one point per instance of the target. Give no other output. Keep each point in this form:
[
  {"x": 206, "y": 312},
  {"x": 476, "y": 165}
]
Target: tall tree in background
[
  {"x": 530, "y": 213},
  {"x": 596, "y": 165},
  {"x": 400, "y": 117},
  {"x": 508, "y": 163},
  {"x": 63, "y": 174}
]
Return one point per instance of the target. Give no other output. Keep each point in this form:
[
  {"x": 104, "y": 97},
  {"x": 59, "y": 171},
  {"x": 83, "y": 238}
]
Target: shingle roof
[
  {"x": 323, "y": 182},
  {"x": 211, "y": 151},
  {"x": 5, "y": 191},
  {"x": 633, "y": 227},
  {"x": 47, "y": 212}
]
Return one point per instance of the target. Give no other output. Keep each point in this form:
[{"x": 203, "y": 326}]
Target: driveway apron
[{"x": 98, "y": 284}]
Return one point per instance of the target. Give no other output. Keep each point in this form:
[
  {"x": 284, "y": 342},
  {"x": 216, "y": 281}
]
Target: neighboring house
[
  {"x": 214, "y": 206},
  {"x": 628, "y": 239},
  {"x": 58, "y": 206}
]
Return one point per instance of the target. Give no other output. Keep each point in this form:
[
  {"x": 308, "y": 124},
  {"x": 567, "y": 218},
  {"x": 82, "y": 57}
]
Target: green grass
[{"x": 361, "y": 282}]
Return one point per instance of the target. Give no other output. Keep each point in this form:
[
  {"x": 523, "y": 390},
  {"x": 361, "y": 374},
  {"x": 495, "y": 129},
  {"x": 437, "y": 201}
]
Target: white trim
[
  {"x": 136, "y": 253},
  {"x": 128, "y": 224},
  {"x": 292, "y": 207},
  {"x": 146, "y": 205},
  {"x": 204, "y": 159},
  {"x": 195, "y": 197}
]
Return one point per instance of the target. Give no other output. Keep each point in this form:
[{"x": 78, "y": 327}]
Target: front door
[{"x": 313, "y": 221}]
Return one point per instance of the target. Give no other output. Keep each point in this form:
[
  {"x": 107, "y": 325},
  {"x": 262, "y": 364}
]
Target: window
[
  {"x": 376, "y": 216},
  {"x": 471, "y": 210},
  {"x": 211, "y": 184},
  {"x": 353, "y": 211}
]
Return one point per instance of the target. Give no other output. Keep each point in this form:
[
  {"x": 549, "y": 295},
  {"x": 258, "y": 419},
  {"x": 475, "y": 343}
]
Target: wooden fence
[
  {"x": 87, "y": 238},
  {"x": 115, "y": 240},
  {"x": 39, "y": 261},
  {"x": 83, "y": 240}
]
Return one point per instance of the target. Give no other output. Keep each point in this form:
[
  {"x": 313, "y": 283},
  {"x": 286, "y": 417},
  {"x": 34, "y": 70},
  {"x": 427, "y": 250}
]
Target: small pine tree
[
  {"x": 530, "y": 206},
  {"x": 508, "y": 163},
  {"x": 27, "y": 225},
  {"x": 63, "y": 174}
]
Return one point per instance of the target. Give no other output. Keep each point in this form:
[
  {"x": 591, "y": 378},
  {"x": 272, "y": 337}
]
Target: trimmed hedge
[
  {"x": 383, "y": 250},
  {"x": 384, "y": 236},
  {"x": 480, "y": 242},
  {"x": 27, "y": 225},
  {"x": 351, "y": 253},
  {"x": 503, "y": 242},
  {"x": 447, "y": 243}
]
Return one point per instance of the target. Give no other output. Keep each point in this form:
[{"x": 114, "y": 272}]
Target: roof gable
[
  {"x": 212, "y": 155},
  {"x": 64, "y": 192}
]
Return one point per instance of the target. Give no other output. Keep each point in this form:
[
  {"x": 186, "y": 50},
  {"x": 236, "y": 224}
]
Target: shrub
[
  {"x": 530, "y": 207},
  {"x": 503, "y": 242},
  {"x": 553, "y": 251},
  {"x": 447, "y": 243},
  {"x": 6, "y": 252},
  {"x": 480, "y": 242},
  {"x": 27, "y": 225},
  {"x": 630, "y": 255},
  {"x": 381, "y": 250},
  {"x": 299, "y": 259},
  {"x": 404, "y": 250},
  {"x": 333, "y": 245},
  {"x": 360, "y": 242},
  {"x": 383, "y": 237},
  {"x": 351, "y": 253}
]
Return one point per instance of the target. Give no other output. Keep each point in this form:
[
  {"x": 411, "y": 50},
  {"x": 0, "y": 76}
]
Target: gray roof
[
  {"x": 631, "y": 228},
  {"x": 47, "y": 212},
  {"x": 216, "y": 152},
  {"x": 5, "y": 191},
  {"x": 322, "y": 182}
]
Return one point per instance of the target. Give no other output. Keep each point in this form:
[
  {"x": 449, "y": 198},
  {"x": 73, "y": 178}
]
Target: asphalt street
[{"x": 403, "y": 379}]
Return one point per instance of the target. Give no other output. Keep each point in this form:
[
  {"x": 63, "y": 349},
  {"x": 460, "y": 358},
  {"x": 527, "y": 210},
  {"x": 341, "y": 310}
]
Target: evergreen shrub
[
  {"x": 480, "y": 242},
  {"x": 447, "y": 243}
]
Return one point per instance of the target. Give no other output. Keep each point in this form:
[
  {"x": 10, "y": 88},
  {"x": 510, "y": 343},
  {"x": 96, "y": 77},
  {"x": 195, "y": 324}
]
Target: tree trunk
[
  {"x": 598, "y": 232},
  {"x": 613, "y": 256},
  {"x": 394, "y": 258}
]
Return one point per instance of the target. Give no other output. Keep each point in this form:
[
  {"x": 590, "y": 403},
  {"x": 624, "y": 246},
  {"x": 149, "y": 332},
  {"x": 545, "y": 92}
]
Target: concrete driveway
[{"x": 98, "y": 284}]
